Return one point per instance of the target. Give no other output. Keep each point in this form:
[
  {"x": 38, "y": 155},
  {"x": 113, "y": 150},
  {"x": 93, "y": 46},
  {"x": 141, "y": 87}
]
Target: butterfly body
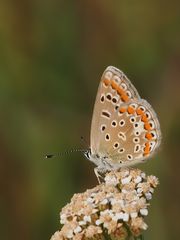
[{"x": 125, "y": 129}]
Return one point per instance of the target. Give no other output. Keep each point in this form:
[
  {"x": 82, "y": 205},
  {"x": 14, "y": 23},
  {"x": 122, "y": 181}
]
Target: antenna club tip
[{"x": 49, "y": 156}]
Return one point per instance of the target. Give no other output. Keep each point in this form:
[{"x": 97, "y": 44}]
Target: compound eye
[{"x": 88, "y": 154}]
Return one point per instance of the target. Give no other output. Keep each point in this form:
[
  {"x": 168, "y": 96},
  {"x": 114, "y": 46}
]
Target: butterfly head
[
  {"x": 100, "y": 159},
  {"x": 87, "y": 154}
]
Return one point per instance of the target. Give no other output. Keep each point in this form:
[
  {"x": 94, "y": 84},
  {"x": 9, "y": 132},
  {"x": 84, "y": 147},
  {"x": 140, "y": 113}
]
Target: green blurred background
[{"x": 52, "y": 55}]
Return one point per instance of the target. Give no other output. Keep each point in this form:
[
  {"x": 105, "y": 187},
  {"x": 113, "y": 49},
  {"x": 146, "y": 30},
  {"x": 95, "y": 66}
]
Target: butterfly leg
[{"x": 99, "y": 172}]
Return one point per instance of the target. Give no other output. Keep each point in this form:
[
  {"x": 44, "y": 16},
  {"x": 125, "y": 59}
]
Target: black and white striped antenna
[
  {"x": 66, "y": 153},
  {"x": 84, "y": 151}
]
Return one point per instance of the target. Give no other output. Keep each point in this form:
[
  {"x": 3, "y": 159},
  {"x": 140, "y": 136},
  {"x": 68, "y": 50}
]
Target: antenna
[{"x": 66, "y": 152}]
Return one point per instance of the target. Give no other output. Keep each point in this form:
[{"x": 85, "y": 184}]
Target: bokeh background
[{"x": 52, "y": 55}]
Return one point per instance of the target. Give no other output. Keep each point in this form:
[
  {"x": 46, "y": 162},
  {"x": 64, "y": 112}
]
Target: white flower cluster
[{"x": 116, "y": 207}]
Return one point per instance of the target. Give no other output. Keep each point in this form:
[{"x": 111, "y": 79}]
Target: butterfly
[{"x": 125, "y": 129}]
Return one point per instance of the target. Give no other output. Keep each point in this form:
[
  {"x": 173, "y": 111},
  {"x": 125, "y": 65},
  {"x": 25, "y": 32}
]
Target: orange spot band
[
  {"x": 147, "y": 149},
  {"x": 130, "y": 110},
  {"x": 147, "y": 126},
  {"x": 119, "y": 90},
  {"x": 124, "y": 97},
  {"x": 122, "y": 110},
  {"x": 139, "y": 111},
  {"x": 114, "y": 85},
  {"x": 144, "y": 118},
  {"x": 106, "y": 82},
  {"x": 148, "y": 136}
]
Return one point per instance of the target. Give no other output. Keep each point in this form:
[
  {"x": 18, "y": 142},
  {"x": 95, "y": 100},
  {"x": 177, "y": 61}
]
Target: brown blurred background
[{"x": 52, "y": 55}]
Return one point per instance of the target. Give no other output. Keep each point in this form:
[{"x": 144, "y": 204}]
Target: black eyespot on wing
[
  {"x": 114, "y": 123},
  {"x": 108, "y": 97},
  {"x": 102, "y": 99},
  {"x": 116, "y": 108},
  {"x": 114, "y": 100},
  {"x": 106, "y": 114},
  {"x": 122, "y": 122},
  {"x": 103, "y": 127},
  {"x": 107, "y": 137}
]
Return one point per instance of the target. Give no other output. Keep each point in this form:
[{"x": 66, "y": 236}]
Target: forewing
[{"x": 115, "y": 89}]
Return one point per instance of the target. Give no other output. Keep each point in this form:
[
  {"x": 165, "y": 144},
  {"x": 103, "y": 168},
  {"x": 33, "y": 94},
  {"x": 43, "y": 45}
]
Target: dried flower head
[{"x": 115, "y": 208}]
